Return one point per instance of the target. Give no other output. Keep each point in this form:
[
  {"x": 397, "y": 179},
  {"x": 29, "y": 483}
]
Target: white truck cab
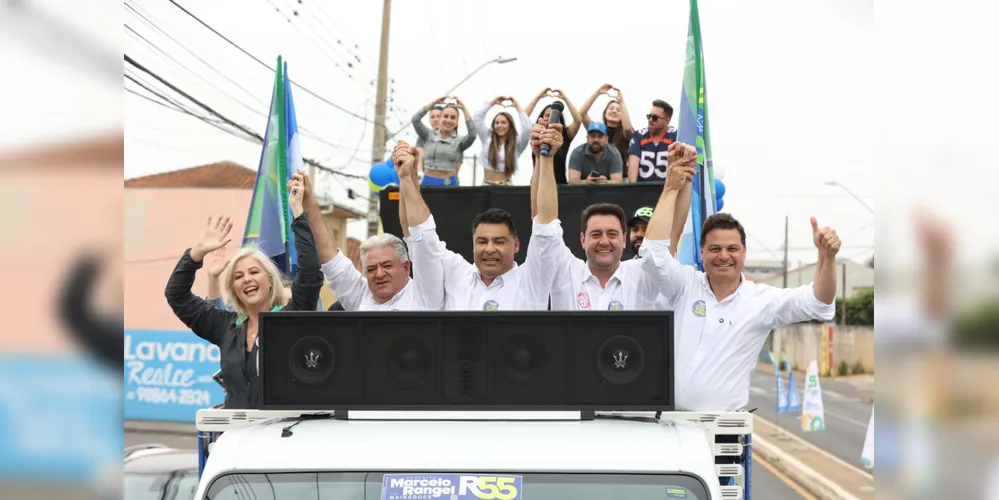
[{"x": 434, "y": 455}]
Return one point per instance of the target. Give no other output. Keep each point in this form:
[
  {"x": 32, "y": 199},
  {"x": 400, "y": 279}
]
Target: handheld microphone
[{"x": 554, "y": 117}]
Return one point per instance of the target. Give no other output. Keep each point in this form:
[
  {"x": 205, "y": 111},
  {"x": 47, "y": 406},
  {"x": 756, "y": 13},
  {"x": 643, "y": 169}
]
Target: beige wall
[
  {"x": 159, "y": 225},
  {"x": 801, "y": 344}
]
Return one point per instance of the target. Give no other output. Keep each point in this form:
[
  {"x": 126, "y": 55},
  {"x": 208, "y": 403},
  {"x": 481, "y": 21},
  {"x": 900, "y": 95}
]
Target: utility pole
[
  {"x": 378, "y": 143},
  {"x": 785, "y": 249}
]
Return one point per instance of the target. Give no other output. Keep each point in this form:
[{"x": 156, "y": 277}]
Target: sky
[{"x": 785, "y": 81}]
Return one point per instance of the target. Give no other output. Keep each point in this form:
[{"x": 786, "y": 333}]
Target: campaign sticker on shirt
[
  {"x": 700, "y": 308},
  {"x": 451, "y": 487},
  {"x": 490, "y": 305},
  {"x": 615, "y": 306},
  {"x": 583, "y": 300}
]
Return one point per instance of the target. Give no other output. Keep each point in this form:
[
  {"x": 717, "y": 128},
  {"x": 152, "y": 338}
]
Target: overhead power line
[
  {"x": 255, "y": 137},
  {"x": 262, "y": 63}
]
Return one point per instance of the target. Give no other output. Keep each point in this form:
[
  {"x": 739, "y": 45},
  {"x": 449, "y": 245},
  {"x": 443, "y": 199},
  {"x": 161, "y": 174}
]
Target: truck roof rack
[{"x": 715, "y": 424}]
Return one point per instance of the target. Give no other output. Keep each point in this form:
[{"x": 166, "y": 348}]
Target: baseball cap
[
  {"x": 597, "y": 127},
  {"x": 643, "y": 214}
]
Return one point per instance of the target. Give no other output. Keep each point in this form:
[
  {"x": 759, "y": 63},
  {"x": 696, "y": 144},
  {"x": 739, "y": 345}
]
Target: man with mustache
[
  {"x": 722, "y": 319},
  {"x": 494, "y": 281},
  {"x": 603, "y": 281}
]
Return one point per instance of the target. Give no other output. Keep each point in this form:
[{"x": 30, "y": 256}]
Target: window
[{"x": 368, "y": 486}]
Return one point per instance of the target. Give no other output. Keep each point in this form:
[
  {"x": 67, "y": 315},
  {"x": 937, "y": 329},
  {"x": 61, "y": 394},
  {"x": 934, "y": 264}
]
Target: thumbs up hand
[{"x": 825, "y": 239}]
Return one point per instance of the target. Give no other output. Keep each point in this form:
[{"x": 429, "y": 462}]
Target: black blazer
[{"x": 219, "y": 327}]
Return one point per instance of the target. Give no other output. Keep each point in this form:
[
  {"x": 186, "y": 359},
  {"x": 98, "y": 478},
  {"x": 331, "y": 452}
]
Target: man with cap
[
  {"x": 640, "y": 222},
  {"x": 636, "y": 228},
  {"x": 594, "y": 162}
]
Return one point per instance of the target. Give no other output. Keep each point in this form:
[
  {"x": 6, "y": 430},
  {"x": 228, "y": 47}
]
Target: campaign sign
[
  {"x": 451, "y": 487},
  {"x": 168, "y": 375},
  {"x": 60, "y": 419}
]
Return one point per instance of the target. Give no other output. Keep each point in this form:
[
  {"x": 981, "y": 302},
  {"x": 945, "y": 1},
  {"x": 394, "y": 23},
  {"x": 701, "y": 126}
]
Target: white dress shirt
[
  {"x": 351, "y": 289},
  {"x": 577, "y": 289},
  {"x": 522, "y": 288},
  {"x": 717, "y": 344}
]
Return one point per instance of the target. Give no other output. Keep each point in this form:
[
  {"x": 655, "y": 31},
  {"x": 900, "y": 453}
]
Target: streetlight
[
  {"x": 836, "y": 183},
  {"x": 498, "y": 60}
]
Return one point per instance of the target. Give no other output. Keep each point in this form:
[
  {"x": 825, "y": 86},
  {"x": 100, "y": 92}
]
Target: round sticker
[
  {"x": 490, "y": 305},
  {"x": 700, "y": 308},
  {"x": 615, "y": 306}
]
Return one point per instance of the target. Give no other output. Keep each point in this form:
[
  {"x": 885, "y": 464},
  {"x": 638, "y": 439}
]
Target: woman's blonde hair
[{"x": 277, "y": 296}]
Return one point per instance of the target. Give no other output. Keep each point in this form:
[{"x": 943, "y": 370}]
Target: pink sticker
[{"x": 583, "y": 300}]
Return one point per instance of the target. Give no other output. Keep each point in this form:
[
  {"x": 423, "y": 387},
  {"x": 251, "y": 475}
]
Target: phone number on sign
[{"x": 175, "y": 396}]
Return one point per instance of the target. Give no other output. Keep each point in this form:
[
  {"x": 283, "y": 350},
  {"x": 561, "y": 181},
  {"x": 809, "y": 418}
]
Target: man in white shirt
[
  {"x": 495, "y": 281},
  {"x": 385, "y": 284},
  {"x": 721, "y": 319}
]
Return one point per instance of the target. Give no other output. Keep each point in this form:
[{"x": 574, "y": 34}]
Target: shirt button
[{"x": 721, "y": 320}]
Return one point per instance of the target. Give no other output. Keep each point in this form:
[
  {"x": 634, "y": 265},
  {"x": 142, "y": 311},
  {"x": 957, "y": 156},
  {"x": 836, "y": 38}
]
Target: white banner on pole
[{"x": 812, "y": 413}]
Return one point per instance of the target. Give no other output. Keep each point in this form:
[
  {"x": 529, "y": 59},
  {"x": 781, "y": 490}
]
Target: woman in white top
[{"x": 502, "y": 144}]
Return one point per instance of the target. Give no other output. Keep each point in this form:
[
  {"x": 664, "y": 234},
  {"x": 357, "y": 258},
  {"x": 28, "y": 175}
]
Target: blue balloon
[
  {"x": 719, "y": 204},
  {"x": 395, "y": 175},
  {"x": 381, "y": 174},
  {"x": 719, "y": 188}
]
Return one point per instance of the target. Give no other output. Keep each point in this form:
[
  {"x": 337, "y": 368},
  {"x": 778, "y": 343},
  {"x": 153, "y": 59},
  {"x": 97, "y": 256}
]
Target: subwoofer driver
[
  {"x": 311, "y": 360},
  {"x": 620, "y": 360}
]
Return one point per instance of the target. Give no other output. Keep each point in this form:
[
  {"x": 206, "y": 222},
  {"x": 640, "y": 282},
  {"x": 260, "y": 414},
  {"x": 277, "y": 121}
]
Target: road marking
[
  {"x": 786, "y": 480},
  {"x": 815, "y": 447},
  {"x": 833, "y": 394},
  {"x": 862, "y": 425}
]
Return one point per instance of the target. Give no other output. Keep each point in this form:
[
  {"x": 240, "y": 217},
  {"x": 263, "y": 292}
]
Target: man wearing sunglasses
[{"x": 647, "y": 150}]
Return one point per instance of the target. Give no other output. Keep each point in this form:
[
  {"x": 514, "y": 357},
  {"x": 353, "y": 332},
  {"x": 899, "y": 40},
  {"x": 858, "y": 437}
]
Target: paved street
[
  {"x": 766, "y": 484},
  {"x": 846, "y": 415}
]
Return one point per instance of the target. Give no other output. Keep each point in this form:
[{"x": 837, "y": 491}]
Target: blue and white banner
[
  {"x": 60, "y": 419},
  {"x": 168, "y": 375}
]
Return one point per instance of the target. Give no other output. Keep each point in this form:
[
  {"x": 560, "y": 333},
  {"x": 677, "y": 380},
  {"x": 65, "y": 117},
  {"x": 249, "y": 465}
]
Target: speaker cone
[
  {"x": 409, "y": 361},
  {"x": 522, "y": 358},
  {"x": 311, "y": 359},
  {"x": 620, "y": 360}
]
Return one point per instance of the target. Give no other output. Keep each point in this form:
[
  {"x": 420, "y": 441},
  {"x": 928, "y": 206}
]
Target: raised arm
[
  {"x": 667, "y": 274},
  {"x": 100, "y": 334},
  {"x": 468, "y": 139},
  {"x": 827, "y": 242},
  {"x": 584, "y": 111},
  {"x": 215, "y": 263},
  {"x": 422, "y": 131},
  {"x": 547, "y": 189},
  {"x": 325, "y": 245},
  {"x": 524, "y": 139},
  {"x": 626, "y": 126},
  {"x": 535, "y": 138},
  {"x": 204, "y": 319},
  {"x": 428, "y": 271},
  {"x": 786, "y": 306},
  {"x": 577, "y": 119},
  {"x": 534, "y": 102},
  {"x": 479, "y": 119},
  {"x": 308, "y": 280},
  {"x": 544, "y": 248}
]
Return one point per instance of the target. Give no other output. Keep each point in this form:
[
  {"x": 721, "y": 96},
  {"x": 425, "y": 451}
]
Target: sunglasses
[{"x": 654, "y": 118}]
